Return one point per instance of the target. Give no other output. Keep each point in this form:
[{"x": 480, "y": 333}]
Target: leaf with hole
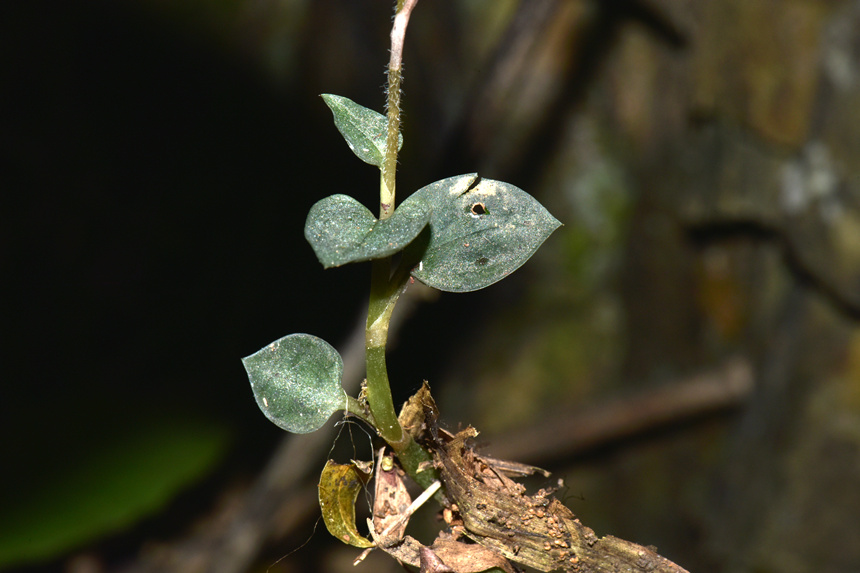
[
  {"x": 338, "y": 489},
  {"x": 297, "y": 382},
  {"x": 364, "y": 130},
  {"x": 480, "y": 231},
  {"x": 341, "y": 230}
]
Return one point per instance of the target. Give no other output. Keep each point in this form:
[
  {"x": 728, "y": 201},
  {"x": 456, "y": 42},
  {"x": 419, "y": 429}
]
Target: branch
[
  {"x": 571, "y": 434},
  {"x": 533, "y": 530}
]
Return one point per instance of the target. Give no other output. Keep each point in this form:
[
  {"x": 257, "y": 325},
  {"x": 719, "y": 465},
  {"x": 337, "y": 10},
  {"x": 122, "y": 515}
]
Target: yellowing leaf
[{"x": 338, "y": 489}]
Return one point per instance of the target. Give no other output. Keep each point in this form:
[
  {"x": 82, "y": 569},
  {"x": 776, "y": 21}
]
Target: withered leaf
[
  {"x": 338, "y": 489},
  {"x": 391, "y": 500},
  {"x": 412, "y": 415}
]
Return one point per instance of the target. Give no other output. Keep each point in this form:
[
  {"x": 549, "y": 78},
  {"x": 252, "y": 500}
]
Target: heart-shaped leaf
[
  {"x": 338, "y": 489},
  {"x": 364, "y": 130},
  {"x": 341, "y": 230},
  {"x": 480, "y": 231},
  {"x": 297, "y": 382}
]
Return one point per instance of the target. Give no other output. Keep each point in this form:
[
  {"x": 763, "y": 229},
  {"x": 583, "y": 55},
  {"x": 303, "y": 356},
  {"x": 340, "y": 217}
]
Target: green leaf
[
  {"x": 364, "y": 130},
  {"x": 338, "y": 489},
  {"x": 341, "y": 230},
  {"x": 297, "y": 382},
  {"x": 480, "y": 231},
  {"x": 105, "y": 480}
]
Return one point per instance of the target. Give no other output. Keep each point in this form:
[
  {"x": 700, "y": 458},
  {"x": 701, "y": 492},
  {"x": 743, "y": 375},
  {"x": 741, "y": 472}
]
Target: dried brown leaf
[{"x": 391, "y": 500}]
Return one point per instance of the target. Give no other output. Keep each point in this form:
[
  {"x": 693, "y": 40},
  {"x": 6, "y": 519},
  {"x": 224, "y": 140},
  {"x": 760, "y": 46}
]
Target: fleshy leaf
[
  {"x": 341, "y": 230},
  {"x": 480, "y": 231},
  {"x": 297, "y": 382},
  {"x": 338, "y": 489},
  {"x": 364, "y": 130}
]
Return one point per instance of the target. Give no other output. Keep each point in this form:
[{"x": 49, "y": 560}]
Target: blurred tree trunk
[{"x": 707, "y": 172}]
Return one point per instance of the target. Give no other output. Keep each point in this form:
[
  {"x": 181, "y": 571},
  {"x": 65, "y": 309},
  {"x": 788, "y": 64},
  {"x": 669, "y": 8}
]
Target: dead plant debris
[{"x": 492, "y": 521}]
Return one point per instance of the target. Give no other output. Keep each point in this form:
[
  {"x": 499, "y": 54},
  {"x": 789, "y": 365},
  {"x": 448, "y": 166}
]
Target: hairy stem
[
  {"x": 395, "y": 77},
  {"x": 389, "y": 163}
]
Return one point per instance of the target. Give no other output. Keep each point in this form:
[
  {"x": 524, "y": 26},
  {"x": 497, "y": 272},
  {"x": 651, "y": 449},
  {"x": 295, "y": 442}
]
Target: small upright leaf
[
  {"x": 364, "y": 130},
  {"x": 341, "y": 230},
  {"x": 297, "y": 382},
  {"x": 480, "y": 231},
  {"x": 338, "y": 489}
]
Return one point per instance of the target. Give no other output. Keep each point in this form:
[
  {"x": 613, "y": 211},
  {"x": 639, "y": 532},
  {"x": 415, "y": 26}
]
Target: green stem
[
  {"x": 376, "y": 336},
  {"x": 385, "y": 289},
  {"x": 383, "y": 294},
  {"x": 355, "y": 408}
]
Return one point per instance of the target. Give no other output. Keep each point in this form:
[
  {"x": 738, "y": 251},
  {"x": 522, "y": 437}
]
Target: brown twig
[{"x": 573, "y": 433}]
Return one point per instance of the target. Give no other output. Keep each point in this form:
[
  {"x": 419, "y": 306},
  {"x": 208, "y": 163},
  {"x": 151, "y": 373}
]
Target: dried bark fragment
[
  {"x": 498, "y": 514},
  {"x": 486, "y": 506},
  {"x": 466, "y": 557},
  {"x": 536, "y": 531},
  {"x": 432, "y": 563}
]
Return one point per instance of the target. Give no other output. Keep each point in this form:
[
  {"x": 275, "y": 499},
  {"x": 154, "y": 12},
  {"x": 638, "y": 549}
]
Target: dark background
[{"x": 158, "y": 161}]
